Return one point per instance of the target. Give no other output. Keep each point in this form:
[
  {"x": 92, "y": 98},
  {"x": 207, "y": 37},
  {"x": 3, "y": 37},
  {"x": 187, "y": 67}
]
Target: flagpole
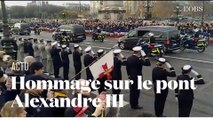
[{"x": 93, "y": 62}]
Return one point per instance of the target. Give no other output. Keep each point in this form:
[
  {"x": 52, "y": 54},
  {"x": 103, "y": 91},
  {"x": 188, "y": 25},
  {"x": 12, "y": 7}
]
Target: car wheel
[
  {"x": 121, "y": 45},
  {"x": 165, "y": 49},
  {"x": 202, "y": 49}
]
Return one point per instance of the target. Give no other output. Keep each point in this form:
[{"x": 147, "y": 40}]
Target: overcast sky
[{"x": 24, "y": 3}]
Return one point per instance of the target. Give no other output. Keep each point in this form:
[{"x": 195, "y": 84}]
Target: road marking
[
  {"x": 107, "y": 42},
  {"x": 190, "y": 59},
  {"x": 205, "y": 86},
  {"x": 179, "y": 58}
]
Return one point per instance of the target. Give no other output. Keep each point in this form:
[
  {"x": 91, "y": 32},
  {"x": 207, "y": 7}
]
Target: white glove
[
  {"x": 168, "y": 65},
  {"x": 68, "y": 49},
  {"x": 58, "y": 45},
  {"x": 194, "y": 72},
  {"x": 122, "y": 56},
  {"x": 176, "y": 98},
  {"x": 92, "y": 52},
  {"x": 143, "y": 53},
  {"x": 80, "y": 48}
]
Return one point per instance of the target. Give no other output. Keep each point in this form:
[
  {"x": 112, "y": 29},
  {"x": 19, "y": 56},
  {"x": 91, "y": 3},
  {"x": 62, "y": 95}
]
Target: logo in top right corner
[{"x": 192, "y": 8}]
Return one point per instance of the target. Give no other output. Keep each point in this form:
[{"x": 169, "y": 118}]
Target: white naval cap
[
  {"x": 186, "y": 68},
  {"x": 162, "y": 60},
  {"x": 116, "y": 51},
  {"x": 54, "y": 43},
  {"x": 100, "y": 51},
  {"x": 88, "y": 49},
  {"x": 151, "y": 34},
  {"x": 137, "y": 48},
  {"x": 76, "y": 45},
  {"x": 63, "y": 46}
]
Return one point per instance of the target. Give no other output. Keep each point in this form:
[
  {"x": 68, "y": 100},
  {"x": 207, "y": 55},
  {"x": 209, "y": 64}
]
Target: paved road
[{"x": 202, "y": 62}]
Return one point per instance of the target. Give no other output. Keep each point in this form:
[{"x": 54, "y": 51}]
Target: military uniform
[
  {"x": 159, "y": 73},
  {"x": 117, "y": 73},
  {"x": 30, "y": 49},
  {"x": 186, "y": 96},
  {"x": 77, "y": 61},
  {"x": 134, "y": 67},
  {"x": 49, "y": 59},
  {"x": 20, "y": 45},
  {"x": 36, "y": 51},
  {"x": 88, "y": 59},
  {"x": 26, "y": 52},
  {"x": 102, "y": 80},
  {"x": 65, "y": 61},
  {"x": 57, "y": 63},
  {"x": 43, "y": 54}
]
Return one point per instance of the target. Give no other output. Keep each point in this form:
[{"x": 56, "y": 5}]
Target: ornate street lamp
[
  {"x": 8, "y": 44},
  {"x": 177, "y": 11},
  {"x": 148, "y": 6},
  {"x": 203, "y": 12}
]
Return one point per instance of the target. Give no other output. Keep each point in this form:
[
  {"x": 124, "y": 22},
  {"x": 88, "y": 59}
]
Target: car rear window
[
  {"x": 25, "y": 26},
  {"x": 157, "y": 34},
  {"x": 64, "y": 29},
  {"x": 174, "y": 34},
  {"x": 142, "y": 33},
  {"x": 79, "y": 29}
]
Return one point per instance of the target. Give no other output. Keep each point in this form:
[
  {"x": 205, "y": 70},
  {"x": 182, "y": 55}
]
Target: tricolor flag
[{"x": 103, "y": 66}]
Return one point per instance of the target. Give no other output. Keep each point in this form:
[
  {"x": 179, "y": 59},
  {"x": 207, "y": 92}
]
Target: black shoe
[{"x": 137, "y": 107}]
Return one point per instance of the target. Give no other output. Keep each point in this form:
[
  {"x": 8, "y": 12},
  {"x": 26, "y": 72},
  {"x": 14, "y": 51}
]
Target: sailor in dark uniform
[
  {"x": 65, "y": 61},
  {"x": 57, "y": 63},
  {"x": 119, "y": 60},
  {"x": 77, "y": 53},
  {"x": 88, "y": 59},
  {"x": 186, "y": 96},
  {"x": 134, "y": 67},
  {"x": 160, "y": 73},
  {"x": 100, "y": 52}
]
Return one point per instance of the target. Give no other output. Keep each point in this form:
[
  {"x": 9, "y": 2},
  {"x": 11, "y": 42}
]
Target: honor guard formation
[{"x": 176, "y": 54}]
